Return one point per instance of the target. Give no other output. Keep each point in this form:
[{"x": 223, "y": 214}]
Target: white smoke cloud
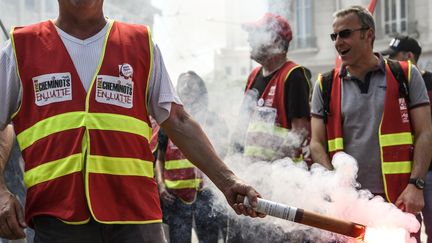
[{"x": 330, "y": 193}]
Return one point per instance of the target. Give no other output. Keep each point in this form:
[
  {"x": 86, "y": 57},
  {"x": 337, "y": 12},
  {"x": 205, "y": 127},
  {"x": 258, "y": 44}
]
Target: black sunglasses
[{"x": 345, "y": 33}]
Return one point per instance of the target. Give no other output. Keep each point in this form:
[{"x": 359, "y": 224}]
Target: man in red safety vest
[
  {"x": 405, "y": 48},
  {"x": 379, "y": 116},
  {"x": 79, "y": 90}
]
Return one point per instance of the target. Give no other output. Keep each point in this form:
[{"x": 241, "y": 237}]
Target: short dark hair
[
  {"x": 365, "y": 17},
  {"x": 403, "y": 43}
]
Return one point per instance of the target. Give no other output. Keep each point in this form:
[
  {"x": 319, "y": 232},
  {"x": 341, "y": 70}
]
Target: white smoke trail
[{"x": 331, "y": 193}]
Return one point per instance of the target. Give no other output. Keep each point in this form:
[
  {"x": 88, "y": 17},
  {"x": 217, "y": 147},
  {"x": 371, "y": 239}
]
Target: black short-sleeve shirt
[{"x": 297, "y": 92}]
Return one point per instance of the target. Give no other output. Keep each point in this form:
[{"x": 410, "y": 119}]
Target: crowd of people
[{"x": 81, "y": 102}]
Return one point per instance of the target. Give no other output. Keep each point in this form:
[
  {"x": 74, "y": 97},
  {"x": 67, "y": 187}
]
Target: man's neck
[
  {"x": 368, "y": 64},
  {"x": 80, "y": 26},
  {"x": 273, "y": 64}
]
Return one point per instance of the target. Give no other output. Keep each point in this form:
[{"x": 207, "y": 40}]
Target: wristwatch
[{"x": 418, "y": 182}]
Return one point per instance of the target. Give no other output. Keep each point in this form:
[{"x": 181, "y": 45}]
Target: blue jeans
[
  {"x": 179, "y": 217},
  {"x": 427, "y": 210},
  {"x": 208, "y": 219}
]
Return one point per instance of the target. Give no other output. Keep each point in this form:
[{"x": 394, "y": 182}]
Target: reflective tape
[
  {"x": 400, "y": 167},
  {"x": 183, "y": 184},
  {"x": 335, "y": 144},
  {"x": 52, "y": 170},
  {"x": 119, "y": 166},
  {"x": 178, "y": 164},
  {"x": 396, "y": 139},
  {"x": 73, "y": 120}
]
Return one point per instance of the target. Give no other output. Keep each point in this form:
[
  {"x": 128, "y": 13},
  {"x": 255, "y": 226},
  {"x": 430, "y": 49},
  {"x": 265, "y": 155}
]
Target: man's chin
[
  {"x": 258, "y": 58},
  {"x": 345, "y": 61}
]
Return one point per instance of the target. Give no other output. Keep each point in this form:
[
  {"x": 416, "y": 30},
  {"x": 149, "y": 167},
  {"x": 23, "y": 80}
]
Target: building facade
[{"x": 311, "y": 21}]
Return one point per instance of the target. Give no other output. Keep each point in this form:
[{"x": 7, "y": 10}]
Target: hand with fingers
[
  {"x": 11, "y": 217},
  {"x": 235, "y": 195},
  {"x": 411, "y": 200},
  {"x": 166, "y": 197}
]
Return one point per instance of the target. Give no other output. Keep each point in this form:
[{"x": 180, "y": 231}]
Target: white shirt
[{"x": 85, "y": 55}]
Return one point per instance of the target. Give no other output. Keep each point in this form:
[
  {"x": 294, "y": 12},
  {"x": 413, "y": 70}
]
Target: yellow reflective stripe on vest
[
  {"x": 260, "y": 152},
  {"x": 72, "y": 120},
  {"x": 178, "y": 164},
  {"x": 77, "y": 222},
  {"x": 400, "y": 167},
  {"x": 396, "y": 139},
  {"x": 119, "y": 166},
  {"x": 319, "y": 80},
  {"x": 335, "y": 144},
  {"x": 50, "y": 126},
  {"x": 52, "y": 170},
  {"x": 121, "y": 123},
  {"x": 267, "y": 128},
  {"x": 183, "y": 184},
  {"x": 409, "y": 70}
]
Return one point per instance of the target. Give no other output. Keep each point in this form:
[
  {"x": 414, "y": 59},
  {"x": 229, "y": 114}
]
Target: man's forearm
[
  {"x": 422, "y": 155},
  {"x": 6, "y": 142},
  {"x": 158, "y": 172},
  {"x": 422, "y": 127},
  {"x": 319, "y": 155},
  {"x": 319, "y": 142}
]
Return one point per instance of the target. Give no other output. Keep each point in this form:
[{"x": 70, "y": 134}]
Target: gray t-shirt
[
  {"x": 85, "y": 55},
  {"x": 361, "y": 117}
]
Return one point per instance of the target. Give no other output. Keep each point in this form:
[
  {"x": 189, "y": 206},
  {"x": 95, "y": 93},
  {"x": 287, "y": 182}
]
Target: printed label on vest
[
  {"x": 114, "y": 91},
  {"x": 403, "y": 110},
  {"x": 125, "y": 70},
  {"x": 51, "y": 88},
  {"x": 270, "y": 96}
]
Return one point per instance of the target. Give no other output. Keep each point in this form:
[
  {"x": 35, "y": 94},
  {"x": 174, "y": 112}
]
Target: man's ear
[
  {"x": 410, "y": 56},
  {"x": 369, "y": 33}
]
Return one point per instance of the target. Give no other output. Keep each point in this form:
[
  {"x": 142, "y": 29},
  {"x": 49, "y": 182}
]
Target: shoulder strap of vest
[
  {"x": 252, "y": 77},
  {"x": 399, "y": 74},
  {"x": 327, "y": 81},
  {"x": 326, "y": 86}
]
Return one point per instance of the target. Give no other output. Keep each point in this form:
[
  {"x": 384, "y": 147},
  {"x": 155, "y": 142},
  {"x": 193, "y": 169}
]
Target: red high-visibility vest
[
  {"x": 261, "y": 137},
  {"x": 86, "y": 153},
  {"x": 395, "y": 136},
  {"x": 181, "y": 177}
]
